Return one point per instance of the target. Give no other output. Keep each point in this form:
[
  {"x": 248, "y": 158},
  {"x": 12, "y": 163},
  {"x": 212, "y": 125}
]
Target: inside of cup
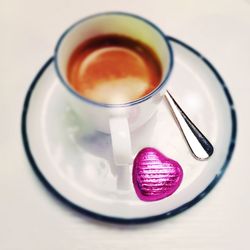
[{"x": 112, "y": 23}]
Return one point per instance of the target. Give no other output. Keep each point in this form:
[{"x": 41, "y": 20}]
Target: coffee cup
[{"x": 117, "y": 119}]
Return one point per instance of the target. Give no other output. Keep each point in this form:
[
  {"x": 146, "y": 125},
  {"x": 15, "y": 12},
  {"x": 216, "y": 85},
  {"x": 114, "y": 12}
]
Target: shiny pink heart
[{"x": 155, "y": 176}]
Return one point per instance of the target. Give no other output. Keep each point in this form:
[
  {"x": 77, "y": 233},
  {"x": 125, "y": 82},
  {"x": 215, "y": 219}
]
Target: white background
[{"x": 31, "y": 218}]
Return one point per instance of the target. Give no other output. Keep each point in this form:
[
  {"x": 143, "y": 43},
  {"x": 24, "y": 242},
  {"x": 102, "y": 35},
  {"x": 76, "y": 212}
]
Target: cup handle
[{"x": 122, "y": 150}]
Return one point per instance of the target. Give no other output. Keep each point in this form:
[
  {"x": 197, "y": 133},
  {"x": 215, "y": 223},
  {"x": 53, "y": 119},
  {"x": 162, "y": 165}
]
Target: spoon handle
[{"x": 199, "y": 145}]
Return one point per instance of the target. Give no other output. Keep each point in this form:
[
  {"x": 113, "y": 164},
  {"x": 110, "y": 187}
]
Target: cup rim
[{"x": 119, "y": 105}]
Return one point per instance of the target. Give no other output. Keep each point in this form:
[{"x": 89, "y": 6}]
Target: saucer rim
[{"x": 118, "y": 220}]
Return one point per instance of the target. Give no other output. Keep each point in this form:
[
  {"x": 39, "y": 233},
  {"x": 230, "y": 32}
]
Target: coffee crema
[{"x": 113, "y": 69}]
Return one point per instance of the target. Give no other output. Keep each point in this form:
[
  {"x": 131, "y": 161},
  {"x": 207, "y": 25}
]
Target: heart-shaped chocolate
[{"x": 155, "y": 176}]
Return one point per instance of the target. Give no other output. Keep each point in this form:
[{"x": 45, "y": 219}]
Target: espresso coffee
[{"x": 113, "y": 69}]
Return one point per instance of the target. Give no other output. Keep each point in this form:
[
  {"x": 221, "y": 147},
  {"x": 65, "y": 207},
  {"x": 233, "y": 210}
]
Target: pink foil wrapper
[{"x": 155, "y": 176}]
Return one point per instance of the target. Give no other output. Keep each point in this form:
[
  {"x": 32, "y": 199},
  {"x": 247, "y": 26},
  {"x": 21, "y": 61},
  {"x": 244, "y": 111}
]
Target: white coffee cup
[{"x": 116, "y": 119}]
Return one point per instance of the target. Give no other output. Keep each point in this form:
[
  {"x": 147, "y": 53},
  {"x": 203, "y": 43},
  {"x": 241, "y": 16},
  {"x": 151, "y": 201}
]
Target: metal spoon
[{"x": 199, "y": 145}]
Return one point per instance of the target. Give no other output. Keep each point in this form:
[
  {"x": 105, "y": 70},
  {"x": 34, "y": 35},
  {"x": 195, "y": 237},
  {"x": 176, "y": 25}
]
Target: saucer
[{"x": 75, "y": 163}]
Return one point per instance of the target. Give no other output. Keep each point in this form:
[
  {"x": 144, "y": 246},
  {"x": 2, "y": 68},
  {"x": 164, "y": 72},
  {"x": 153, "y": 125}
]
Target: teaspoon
[{"x": 199, "y": 145}]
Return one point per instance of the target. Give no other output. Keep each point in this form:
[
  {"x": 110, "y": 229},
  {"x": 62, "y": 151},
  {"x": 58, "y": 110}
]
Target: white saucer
[{"x": 75, "y": 163}]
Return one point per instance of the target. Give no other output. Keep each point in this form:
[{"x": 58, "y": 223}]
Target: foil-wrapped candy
[{"x": 155, "y": 176}]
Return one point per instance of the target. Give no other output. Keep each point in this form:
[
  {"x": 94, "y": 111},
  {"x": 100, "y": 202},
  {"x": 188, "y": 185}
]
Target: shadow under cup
[{"x": 137, "y": 112}]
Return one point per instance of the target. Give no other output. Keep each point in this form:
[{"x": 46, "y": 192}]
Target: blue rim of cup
[
  {"x": 148, "y": 219},
  {"x": 142, "y": 99}
]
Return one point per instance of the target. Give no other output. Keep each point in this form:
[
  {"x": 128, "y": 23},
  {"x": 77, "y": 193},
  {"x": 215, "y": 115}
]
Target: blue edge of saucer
[{"x": 136, "y": 220}]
